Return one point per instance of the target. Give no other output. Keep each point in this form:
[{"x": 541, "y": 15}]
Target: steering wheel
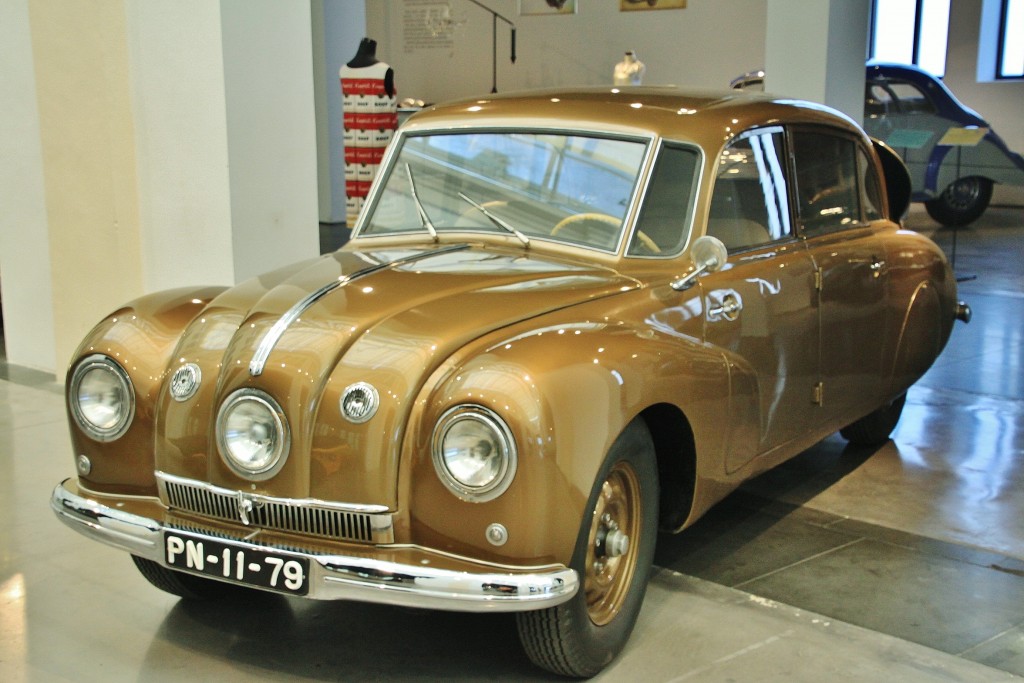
[{"x": 603, "y": 219}]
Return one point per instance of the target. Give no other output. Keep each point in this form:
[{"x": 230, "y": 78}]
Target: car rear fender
[{"x": 923, "y": 334}]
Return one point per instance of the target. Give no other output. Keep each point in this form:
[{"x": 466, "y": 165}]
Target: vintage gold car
[{"x": 566, "y": 320}]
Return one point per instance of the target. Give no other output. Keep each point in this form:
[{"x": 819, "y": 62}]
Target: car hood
[{"x": 385, "y": 316}]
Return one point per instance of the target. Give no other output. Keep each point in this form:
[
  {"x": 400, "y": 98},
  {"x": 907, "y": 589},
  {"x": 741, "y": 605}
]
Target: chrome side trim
[
  {"x": 274, "y": 334},
  {"x": 341, "y": 577},
  {"x": 308, "y": 516}
]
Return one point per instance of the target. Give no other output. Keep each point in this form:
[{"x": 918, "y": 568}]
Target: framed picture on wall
[
  {"x": 635, "y": 5},
  {"x": 547, "y": 6}
]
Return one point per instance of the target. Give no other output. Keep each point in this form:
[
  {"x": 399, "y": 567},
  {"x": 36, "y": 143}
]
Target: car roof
[
  {"x": 945, "y": 101},
  {"x": 706, "y": 117}
]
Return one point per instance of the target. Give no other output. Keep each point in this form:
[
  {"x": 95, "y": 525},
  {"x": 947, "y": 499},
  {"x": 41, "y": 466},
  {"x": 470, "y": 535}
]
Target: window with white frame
[
  {"x": 912, "y": 32},
  {"x": 1011, "y": 40}
]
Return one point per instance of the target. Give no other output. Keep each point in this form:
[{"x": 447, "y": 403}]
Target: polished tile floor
[{"x": 902, "y": 563}]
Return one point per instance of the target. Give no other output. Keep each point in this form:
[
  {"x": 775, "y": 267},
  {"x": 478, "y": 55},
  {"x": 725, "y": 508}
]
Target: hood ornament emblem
[{"x": 245, "y": 507}]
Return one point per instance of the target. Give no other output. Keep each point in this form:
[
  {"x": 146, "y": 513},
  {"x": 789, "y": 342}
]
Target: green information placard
[{"x": 908, "y": 137}]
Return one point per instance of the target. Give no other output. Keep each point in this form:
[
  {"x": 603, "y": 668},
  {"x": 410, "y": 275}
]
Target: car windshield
[{"x": 567, "y": 188}]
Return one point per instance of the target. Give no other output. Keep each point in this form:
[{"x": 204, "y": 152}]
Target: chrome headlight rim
[
  {"x": 502, "y": 436},
  {"x": 282, "y": 441},
  {"x": 101, "y": 362}
]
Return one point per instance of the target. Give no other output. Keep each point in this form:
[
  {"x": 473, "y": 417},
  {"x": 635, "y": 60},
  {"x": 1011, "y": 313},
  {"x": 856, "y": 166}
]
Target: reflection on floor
[{"x": 899, "y": 563}]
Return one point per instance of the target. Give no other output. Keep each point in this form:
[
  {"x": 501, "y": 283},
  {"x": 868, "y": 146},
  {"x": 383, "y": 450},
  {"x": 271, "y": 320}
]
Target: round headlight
[
  {"x": 474, "y": 453},
  {"x": 252, "y": 435},
  {"x": 102, "y": 398}
]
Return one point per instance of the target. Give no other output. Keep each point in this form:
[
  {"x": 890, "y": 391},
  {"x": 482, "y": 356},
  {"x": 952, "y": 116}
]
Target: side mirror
[{"x": 708, "y": 254}]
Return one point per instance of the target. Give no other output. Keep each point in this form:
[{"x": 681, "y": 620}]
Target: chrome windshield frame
[{"x": 389, "y": 164}]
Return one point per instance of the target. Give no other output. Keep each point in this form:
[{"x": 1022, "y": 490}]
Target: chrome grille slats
[{"x": 363, "y": 524}]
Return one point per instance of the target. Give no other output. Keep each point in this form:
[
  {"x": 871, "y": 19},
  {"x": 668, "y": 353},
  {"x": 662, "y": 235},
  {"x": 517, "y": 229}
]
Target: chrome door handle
[{"x": 729, "y": 309}]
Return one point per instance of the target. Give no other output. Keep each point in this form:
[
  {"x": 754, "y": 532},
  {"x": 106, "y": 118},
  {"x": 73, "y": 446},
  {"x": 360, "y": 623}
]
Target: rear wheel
[
  {"x": 613, "y": 556},
  {"x": 962, "y": 202},
  {"x": 874, "y": 429},
  {"x": 185, "y": 585}
]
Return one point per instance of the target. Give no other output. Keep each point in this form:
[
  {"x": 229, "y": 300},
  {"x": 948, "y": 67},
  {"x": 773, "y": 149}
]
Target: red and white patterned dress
[{"x": 371, "y": 117}]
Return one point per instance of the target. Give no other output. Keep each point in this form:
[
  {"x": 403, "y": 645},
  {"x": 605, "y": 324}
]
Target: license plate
[{"x": 241, "y": 564}]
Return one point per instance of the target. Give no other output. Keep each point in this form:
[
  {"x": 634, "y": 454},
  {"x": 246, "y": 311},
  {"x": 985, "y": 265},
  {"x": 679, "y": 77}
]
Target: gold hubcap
[{"x": 612, "y": 544}]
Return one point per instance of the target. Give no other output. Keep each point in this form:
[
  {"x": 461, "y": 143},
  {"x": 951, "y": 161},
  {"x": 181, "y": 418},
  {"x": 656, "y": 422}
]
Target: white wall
[
  {"x": 826, "y": 63},
  {"x": 704, "y": 45},
  {"x": 999, "y": 102},
  {"x": 24, "y": 233}
]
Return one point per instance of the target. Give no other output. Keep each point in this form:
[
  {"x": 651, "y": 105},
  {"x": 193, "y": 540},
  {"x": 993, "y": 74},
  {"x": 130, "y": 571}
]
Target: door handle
[{"x": 729, "y": 308}]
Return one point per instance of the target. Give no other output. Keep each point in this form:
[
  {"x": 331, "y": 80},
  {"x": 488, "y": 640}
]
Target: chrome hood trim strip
[{"x": 269, "y": 341}]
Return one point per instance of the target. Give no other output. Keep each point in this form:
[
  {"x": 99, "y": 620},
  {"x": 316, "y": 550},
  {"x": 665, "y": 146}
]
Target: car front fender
[{"x": 566, "y": 391}]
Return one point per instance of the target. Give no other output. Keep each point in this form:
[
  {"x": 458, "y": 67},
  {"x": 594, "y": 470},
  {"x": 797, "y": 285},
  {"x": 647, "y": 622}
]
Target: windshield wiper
[
  {"x": 497, "y": 221},
  {"x": 424, "y": 218}
]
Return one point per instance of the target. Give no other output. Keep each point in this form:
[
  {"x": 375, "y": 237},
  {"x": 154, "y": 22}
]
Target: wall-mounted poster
[
  {"x": 547, "y": 6},
  {"x": 633, "y": 5}
]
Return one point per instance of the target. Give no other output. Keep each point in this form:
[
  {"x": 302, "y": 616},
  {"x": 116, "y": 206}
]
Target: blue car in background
[{"x": 953, "y": 155}]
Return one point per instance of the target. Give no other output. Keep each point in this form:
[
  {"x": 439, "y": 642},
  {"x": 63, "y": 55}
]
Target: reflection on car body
[{"x": 447, "y": 414}]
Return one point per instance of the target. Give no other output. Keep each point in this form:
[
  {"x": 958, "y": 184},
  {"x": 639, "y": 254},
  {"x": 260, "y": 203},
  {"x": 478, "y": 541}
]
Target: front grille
[{"x": 309, "y": 517}]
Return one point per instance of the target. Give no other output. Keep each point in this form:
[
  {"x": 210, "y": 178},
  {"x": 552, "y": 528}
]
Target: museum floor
[{"x": 903, "y": 563}]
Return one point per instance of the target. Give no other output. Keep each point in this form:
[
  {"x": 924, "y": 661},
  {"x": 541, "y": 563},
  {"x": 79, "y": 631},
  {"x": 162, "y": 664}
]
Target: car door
[
  {"x": 761, "y": 307},
  {"x": 839, "y": 214}
]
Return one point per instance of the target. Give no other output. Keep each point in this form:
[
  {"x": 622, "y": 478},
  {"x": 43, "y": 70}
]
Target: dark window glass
[
  {"x": 871, "y": 193},
  {"x": 826, "y": 176}
]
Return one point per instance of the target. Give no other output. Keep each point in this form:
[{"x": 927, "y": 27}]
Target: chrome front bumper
[{"x": 339, "y": 577}]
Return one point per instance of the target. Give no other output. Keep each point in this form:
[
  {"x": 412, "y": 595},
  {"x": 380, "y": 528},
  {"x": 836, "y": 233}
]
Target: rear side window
[
  {"x": 871, "y": 186},
  {"x": 828, "y": 194}
]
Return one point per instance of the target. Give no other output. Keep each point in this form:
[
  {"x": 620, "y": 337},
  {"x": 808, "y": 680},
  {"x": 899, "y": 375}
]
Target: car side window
[
  {"x": 665, "y": 219},
  {"x": 828, "y": 195},
  {"x": 750, "y": 202},
  {"x": 878, "y": 99},
  {"x": 911, "y": 99}
]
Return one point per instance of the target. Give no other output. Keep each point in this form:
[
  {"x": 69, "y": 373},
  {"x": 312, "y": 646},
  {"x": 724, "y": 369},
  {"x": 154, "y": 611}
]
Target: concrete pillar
[
  {"x": 815, "y": 50},
  {"x": 24, "y": 232},
  {"x": 175, "y": 146}
]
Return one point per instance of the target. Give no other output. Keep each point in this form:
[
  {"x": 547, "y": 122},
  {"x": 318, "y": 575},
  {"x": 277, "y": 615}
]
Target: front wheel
[
  {"x": 962, "y": 202},
  {"x": 613, "y": 555},
  {"x": 184, "y": 585}
]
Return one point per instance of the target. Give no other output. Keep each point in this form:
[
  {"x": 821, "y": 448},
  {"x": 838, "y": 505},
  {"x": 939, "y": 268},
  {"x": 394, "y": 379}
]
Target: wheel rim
[
  {"x": 612, "y": 546},
  {"x": 964, "y": 193}
]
